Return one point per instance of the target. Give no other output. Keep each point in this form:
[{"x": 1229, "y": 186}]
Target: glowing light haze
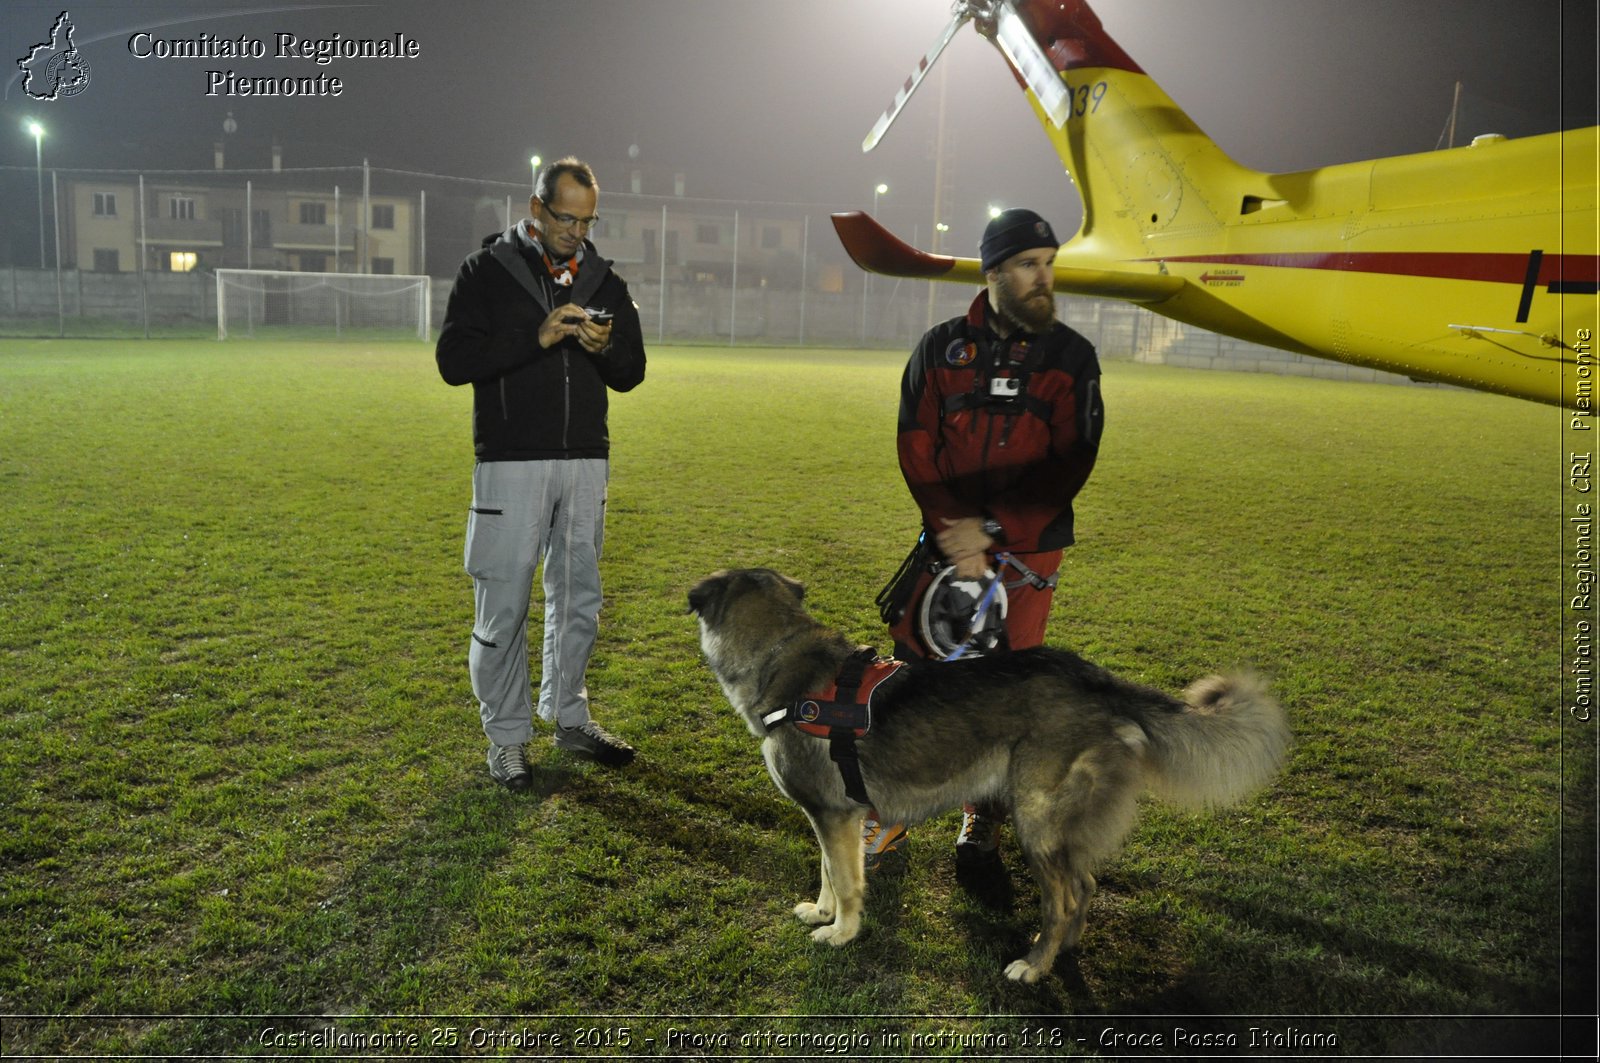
[{"x": 762, "y": 100}]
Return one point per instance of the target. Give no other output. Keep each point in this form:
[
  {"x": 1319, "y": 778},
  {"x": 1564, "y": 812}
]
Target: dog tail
[{"x": 1227, "y": 739}]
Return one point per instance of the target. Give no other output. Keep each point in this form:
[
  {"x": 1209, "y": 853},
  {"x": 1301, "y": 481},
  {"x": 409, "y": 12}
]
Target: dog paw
[
  {"x": 812, "y": 914},
  {"x": 1023, "y": 971},
  {"x": 833, "y": 934}
]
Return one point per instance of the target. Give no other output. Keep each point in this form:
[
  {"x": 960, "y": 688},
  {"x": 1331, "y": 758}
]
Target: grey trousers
[{"x": 525, "y": 512}]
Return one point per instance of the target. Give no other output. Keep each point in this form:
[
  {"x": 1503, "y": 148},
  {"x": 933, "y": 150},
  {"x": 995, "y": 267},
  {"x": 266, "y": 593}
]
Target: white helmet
[{"x": 948, "y": 617}]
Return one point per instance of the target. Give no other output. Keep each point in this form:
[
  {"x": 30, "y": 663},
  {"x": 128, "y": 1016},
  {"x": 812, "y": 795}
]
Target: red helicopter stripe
[{"x": 1569, "y": 271}]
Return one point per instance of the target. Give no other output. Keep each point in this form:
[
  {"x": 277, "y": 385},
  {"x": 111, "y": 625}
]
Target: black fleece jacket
[{"x": 529, "y": 403}]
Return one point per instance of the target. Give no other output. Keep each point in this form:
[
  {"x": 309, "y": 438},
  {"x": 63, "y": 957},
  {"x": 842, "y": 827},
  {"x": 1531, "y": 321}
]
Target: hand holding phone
[{"x": 594, "y": 333}]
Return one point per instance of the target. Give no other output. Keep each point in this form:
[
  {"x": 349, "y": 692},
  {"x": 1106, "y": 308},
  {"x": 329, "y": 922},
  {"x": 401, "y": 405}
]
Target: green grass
[
  {"x": 241, "y": 770},
  {"x": 75, "y": 328}
]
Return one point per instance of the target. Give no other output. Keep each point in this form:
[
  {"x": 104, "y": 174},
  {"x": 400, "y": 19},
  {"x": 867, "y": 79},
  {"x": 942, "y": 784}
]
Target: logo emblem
[
  {"x": 55, "y": 69},
  {"x": 961, "y": 353},
  {"x": 810, "y": 711}
]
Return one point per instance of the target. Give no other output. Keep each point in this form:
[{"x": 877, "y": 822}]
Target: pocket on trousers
[{"x": 494, "y": 541}]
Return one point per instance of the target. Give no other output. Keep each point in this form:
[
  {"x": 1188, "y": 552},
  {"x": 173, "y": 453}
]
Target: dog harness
[{"x": 842, "y": 712}]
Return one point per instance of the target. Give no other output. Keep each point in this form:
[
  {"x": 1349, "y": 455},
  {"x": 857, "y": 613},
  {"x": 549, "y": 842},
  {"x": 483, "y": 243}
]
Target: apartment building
[{"x": 175, "y": 223}]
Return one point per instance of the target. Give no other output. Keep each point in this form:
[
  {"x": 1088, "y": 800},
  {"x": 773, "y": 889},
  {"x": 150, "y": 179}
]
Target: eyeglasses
[{"x": 567, "y": 221}]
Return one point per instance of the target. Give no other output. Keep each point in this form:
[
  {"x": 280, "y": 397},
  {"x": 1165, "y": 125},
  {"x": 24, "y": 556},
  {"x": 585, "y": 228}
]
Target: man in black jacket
[{"x": 540, "y": 327}]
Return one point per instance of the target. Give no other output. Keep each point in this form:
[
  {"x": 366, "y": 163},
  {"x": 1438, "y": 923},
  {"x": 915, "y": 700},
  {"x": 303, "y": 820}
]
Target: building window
[
  {"x": 311, "y": 262},
  {"x": 232, "y": 227},
  {"x": 261, "y": 228},
  {"x": 106, "y": 260},
  {"x": 105, "y": 204},
  {"x": 383, "y": 216},
  {"x": 771, "y": 238},
  {"x": 182, "y": 261},
  {"x": 708, "y": 234},
  {"x": 181, "y": 207},
  {"x": 313, "y": 214},
  {"x": 383, "y": 265}
]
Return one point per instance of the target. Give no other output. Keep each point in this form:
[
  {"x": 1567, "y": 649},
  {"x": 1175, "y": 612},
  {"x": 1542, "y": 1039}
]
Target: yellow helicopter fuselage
[{"x": 1473, "y": 266}]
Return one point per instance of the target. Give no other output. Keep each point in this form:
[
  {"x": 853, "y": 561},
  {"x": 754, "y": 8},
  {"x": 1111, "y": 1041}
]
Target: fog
[{"x": 767, "y": 102}]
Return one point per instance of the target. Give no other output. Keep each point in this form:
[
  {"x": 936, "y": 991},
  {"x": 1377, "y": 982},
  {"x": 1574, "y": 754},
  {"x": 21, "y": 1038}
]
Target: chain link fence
[{"x": 129, "y": 253}]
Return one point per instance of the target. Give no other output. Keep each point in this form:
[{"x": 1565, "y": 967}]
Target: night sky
[{"x": 767, "y": 101}]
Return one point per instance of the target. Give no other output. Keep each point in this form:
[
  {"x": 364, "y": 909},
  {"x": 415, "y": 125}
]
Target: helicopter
[{"x": 1474, "y": 266}]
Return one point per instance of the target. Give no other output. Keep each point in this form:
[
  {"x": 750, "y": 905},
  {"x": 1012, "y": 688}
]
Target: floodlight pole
[
  {"x": 55, "y": 216},
  {"x": 805, "y": 252},
  {"x": 38, "y": 170},
  {"x": 661, "y": 313},
  {"x": 938, "y": 183},
  {"x": 249, "y": 223},
  {"x": 366, "y": 217},
  {"x": 733, "y": 308},
  {"x": 866, "y": 277},
  {"x": 144, "y": 280}
]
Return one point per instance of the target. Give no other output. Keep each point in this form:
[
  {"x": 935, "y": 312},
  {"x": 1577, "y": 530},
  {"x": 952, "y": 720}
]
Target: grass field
[{"x": 242, "y": 780}]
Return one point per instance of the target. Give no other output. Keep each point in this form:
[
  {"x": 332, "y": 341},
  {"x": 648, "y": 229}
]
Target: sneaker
[
  {"x": 595, "y": 742},
  {"x": 509, "y": 765},
  {"x": 878, "y": 840},
  {"x": 979, "y": 840}
]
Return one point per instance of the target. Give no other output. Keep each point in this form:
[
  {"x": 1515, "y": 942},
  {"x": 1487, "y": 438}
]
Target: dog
[{"x": 1065, "y": 746}]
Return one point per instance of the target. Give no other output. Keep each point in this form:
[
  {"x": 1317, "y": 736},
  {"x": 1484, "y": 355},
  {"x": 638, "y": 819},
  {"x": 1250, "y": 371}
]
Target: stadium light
[
  {"x": 534, "y": 164},
  {"x": 866, "y": 278},
  {"x": 994, "y": 211},
  {"x": 38, "y": 168}
]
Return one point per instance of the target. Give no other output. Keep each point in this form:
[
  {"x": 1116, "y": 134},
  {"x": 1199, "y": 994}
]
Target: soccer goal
[{"x": 280, "y": 303}]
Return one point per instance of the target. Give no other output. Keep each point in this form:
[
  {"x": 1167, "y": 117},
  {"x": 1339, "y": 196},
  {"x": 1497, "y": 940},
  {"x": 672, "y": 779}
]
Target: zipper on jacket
[
  {"x": 505, "y": 407},
  {"x": 1008, "y": 424},
  {"x": 566, "y": 396},
  {"x": 989, "y": 419}
]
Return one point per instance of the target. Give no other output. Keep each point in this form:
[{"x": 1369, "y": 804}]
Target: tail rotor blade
[
  {"x": 962, "y": 14},
  {"x": 1029, "y": 60}
]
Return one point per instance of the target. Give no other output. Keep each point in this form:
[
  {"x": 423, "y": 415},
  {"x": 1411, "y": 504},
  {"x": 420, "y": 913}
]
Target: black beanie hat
[{"x": 1011, "y": 232}]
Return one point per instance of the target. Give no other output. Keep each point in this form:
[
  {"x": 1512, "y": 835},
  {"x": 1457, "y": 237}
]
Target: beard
[{"x": 1035, "y": 310}]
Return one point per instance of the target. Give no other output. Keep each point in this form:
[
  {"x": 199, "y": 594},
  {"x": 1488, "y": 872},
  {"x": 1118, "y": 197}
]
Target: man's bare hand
[
  {"x": 593, "y": 335},
  {"x": 563, "y": 321},
  {"x": 966, "y": 545}
]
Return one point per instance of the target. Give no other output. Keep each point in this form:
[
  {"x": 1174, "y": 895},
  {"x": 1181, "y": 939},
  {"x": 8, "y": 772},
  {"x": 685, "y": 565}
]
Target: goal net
[{"x": 288, "y": 305}]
